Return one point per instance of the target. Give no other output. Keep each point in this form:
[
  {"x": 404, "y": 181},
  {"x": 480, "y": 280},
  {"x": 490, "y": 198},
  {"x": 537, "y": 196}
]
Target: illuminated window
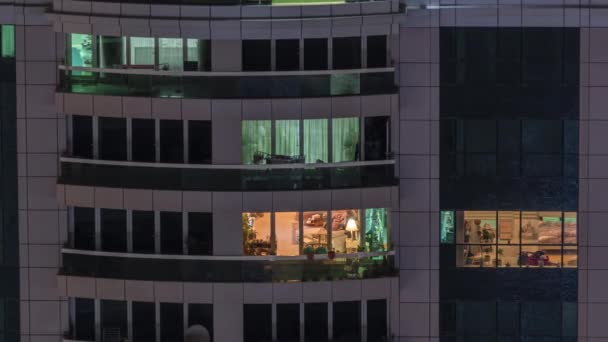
[
  {"x": 257, "y": 234},
  {"x": 7, "y": 41}
]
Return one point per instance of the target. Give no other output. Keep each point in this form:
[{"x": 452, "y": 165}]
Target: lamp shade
[{"x": 351, "y": 225}]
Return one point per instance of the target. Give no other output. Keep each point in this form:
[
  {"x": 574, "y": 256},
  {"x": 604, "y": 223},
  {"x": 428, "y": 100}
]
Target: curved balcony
[
  {"x": 227, "y": 85},
  {"x": 198, "y": 177},
  {"x": 225, "y": 269}
]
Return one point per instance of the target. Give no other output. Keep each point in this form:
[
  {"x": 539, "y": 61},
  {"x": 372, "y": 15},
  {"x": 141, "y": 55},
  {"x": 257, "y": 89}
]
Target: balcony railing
[
  {"x": 226, "y": 268},
  {"x": 242, "y": 2},
  {"x": 198, "y": 177},
  {"x": 226, "y": 85}
]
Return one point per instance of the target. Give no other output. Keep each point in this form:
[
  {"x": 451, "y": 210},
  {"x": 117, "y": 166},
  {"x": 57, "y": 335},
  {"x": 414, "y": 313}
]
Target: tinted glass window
[
  {"x": 288, "y": 322},
  {"x": 111, "y": 52},
  {"x": 84, "y": 317},
  {"x": 84, "y": 228},
  {"x": 143, "y": 231},
  {"x": 347, "y": 321},
  {"x": 257, "y": 322},
  {"x": 171, "y": 233},
  {"x": 376, "y": 51},
  {"x": 199, "y": 142},
  {"x": 347, "y": 53},
  {"x": 171, "y": 322},
  {"x": 315, "y": 322},
  {"x": 171, "y": 141},
  {"x": 377, "y": 135},
  {"x": 144, "y": 318},
  {"x": 200, "y": 234},
  {"x": 113, "y": 318},
  {"x": 256, "y": 55},
  {"x": 112, "y": 138},
  {"x": 315, "y": 54},
  {"x": 287, "y": 54},
  {"x": 143, "y": 138},
  {"x": 82, "y": 136},
  {"x": 201, "y": 314},
  {"x": 114, "y": 230},
  {"x": 376, "y": 320},
  {"x": 542, "y": 136}
]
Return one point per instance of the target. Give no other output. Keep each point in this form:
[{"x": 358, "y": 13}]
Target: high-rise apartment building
[{"x": 290, "y": 170}]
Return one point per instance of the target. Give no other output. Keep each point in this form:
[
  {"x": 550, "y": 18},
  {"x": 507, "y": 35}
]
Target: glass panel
[
  {"x": 288, "y": 322},
  {"x": 142, "y": 52},
  {"x": 113, "y": 319},
  {"x": 447, "y": 227},
  {"x": 345, "y": 230},
  {"x": 570, "y": 228},
  {"x": 84, "y": 317},
  {"x": 315, "y": 231},
  {"x": 82, "y": 136},
  {"x": 200, "y": 234},
  {"x": 257, "y": 234},
  {"x": 143, "y": 231},
  {"x": 540, "y": 256},
  {"x": 475, "y": 255},
  {"x": 287, "y": 54},
  {"x": 171, "y": 322},
  {"x": 377, "y": 134},
  {"x": 201, "y": 314},
  {"x": 171, "y": 141},
  {"x": 113, "y": 230},
  {"x": 316, "y": 146},
  {"x": 345, "y": 139},
  {"x": 377, "y": 320},
  {"x": 171, "y": 54},
  {"x": 507, "y": 256},
  {"x": 199, "y": 140},
  {"x": 198, "y": 56},
  {"x": 256, "y": 143},
  {"x": 508, "y": 227},
  {"x": 256, "y": 55},
  {"x": 7, "y": 38},
  {"x": 347, "y": 53},
  {"x": 112, "y": 138},
  {"x": 347, "y": 321},
  {"x": 541, "y": 227},
  {"x": 376, "y": 230},
  {"x": 376, "y": 51},
  {"x": 480, "y": 233},
  {"x": 144, "y": 318},
  {"x": 171, "y": 239},
  {"x": 315, "y": 322},
  {"x": 143, "y": 140},
  {"x": 257, "y": 322},
  {"x": 287, "y": 228},
  {"x": 81, "y": 50},
  {"x": 315, "y": 54},
  {"x": 84, "y": 228},
  {"x": 287, "y": 137},
  {"x": 112, "y": 52},
  {"x": 570, "y": 257}
]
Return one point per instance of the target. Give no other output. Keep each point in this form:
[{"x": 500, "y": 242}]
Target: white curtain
[
  {"x": 287, "y": 137},
  {"x": 171, "y": 53},
  {"x": 256, "y": 137},
  {"x": 316, "y": 140},
  {"x": 345, "y": 139},
  {"x": 142, "y": 51}
]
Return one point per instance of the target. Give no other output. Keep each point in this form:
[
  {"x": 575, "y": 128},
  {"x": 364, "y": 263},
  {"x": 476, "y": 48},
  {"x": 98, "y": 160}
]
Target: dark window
[
  {"x": 315, "y": 54},
  {"x": 82, "y": 136},
  {"x": 110, "y": 52},
  {"x": 542, "y": 136},
  {"x": 171, "y": 322},
  {"x": 84, "y": 228},
  {"x": 201, "y": 314},
  {"x": 288, "y": 322},
  {"x": 287, "y": 54},
  {"x": 113, "y": 138},
  {"x": 143, "y": 140},
  {"x": 257, "y": 322},
  {"x": 315, "y": 322},
  {"x": 143, "y": 231},
  {"x": 144, "y": 322},
  {"x": 541, "y": 319},
  {"x": 376, "y": 51},
  {"x": 114, "y": 230},
  {"x": 347, "y": 53},
  {"x": 113, "y": 319},
  {"x": 256, "y": 55},
  {"x": 347, "y": 321},
  {"x": 200, "y": 234},
  {"x": 84, "y": 319},
  {"x": 171, "y": 141},
  {"x": 199, "y": 142},
  {"x": 569, "y": 319},
  {"x": 171, "y": 233},
  {"x": 377, "y": 135},
  {"x": 376, "y": 320}
]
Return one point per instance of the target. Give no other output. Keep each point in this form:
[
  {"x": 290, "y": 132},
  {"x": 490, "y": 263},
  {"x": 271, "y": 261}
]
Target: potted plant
[
  {"x": 310, "y": 253},
  {"x": 499, "y": 258},
  {"x": 331, "y": 254},
  {"x": 321, "y": 250},
  {"x": 487, "y": 258}
]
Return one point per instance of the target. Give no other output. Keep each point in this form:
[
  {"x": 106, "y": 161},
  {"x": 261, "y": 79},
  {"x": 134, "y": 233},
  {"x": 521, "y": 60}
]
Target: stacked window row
[
  {"x": 135, "y": 321},
  {"x": 137, "y": 231},
  {"x": 296, "y": 233},
  {"x": 184, "y": 54},
  {"x": 263, "y": 141},
  {"x": 511, "y": 238}
]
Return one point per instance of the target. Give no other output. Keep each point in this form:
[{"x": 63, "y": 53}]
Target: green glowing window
[
  {"x": 376, "y": 229},
  {"x": 447, "y": 227},
  {"x": 287, "y": 137},
  {"x": 7, "y": 40},
  {"x": 316, "y": 141},
  {"x": 345, "y": 139},
  {"x": 256, "y": 139}
]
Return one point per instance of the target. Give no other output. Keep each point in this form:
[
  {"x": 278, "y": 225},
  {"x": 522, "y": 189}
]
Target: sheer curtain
[
  {"x": 287, "y": 137},
  {"x": 345, "y": 139},
  {"x": 256, "y": 136},
  {"x": 316, "y": 140},
  {"x": 8, "y": 41},
  {"x": 171, "y": 53},
  {"x": 142, "y": 51}
]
